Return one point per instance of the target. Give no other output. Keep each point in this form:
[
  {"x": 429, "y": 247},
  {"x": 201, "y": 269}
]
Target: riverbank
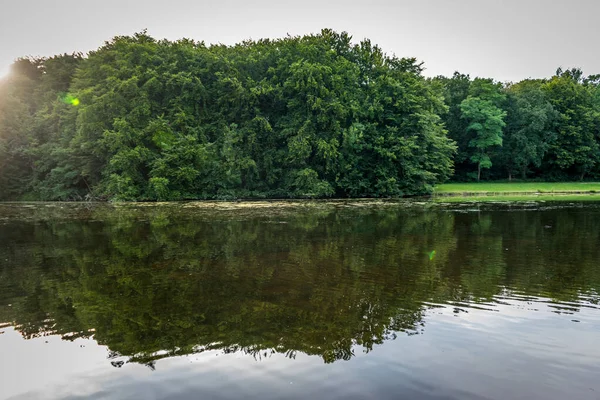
[{"x": 517, "y": 189}]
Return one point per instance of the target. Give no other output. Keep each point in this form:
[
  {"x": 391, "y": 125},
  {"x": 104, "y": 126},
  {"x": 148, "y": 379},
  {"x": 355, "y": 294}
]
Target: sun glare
[{"x": 4, "y": 70}]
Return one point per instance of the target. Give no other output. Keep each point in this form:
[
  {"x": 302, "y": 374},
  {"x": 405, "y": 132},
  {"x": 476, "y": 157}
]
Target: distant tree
[
  {"x": 529, "y": 132},
  {"x": 455, "y": 90},
  {"x": 486, "y": 121},
  {"x": 576, "y": 150}
]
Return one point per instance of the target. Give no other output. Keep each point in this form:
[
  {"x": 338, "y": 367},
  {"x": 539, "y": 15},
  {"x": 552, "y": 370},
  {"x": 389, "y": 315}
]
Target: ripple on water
[{"x": 325, "y": 300}]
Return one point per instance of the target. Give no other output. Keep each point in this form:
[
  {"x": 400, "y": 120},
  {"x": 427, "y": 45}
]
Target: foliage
[
  {"x": 487, "y": 121},
  {"x": 141, "y": 119},
  {"x": 576, "y": 150},
  {"x": 551, "y": 132},
  {"x": 530, "y": 132},
  {"x": 311, "y": 116}
]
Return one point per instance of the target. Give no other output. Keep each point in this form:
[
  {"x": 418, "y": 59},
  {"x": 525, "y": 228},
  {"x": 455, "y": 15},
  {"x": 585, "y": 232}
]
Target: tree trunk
[
  {"x": 478, "y": 172},
  {"x": 509, "y": 176},
  {"x": 582, "y": 175},
  {"x": 243, "y": 178},
  {"x": 524, "y": 172}
]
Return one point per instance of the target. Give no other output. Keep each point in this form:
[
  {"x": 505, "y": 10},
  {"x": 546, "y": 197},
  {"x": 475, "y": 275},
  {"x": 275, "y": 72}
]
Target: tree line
[
  {"x": 310, "y": 116},
  {"x": 537, "y": 128}
]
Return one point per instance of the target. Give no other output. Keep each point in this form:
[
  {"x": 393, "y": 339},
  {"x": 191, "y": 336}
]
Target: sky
[{"x": 508, "y": 40}]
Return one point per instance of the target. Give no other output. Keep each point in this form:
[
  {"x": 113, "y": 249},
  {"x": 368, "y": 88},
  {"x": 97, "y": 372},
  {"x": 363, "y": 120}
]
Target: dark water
[{"x": 342, "y": 301}]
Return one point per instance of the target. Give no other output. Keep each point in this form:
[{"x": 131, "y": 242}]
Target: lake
[{"x": 295, "y": 300}]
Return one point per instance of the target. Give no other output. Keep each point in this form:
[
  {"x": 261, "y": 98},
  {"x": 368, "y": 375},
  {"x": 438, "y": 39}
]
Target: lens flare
[{"x": 69, "y": 99}]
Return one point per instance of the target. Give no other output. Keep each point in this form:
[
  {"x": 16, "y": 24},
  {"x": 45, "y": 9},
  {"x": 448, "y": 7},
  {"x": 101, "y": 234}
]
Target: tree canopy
[
  {"x": 311, "y": 116},
  {"x": 141, "y": 119},
  {"x": 545, "y": 128}
]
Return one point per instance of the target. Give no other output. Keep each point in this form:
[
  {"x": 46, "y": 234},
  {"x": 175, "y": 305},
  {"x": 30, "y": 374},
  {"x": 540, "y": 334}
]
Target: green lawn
[
  {"x": 515, "y": 188},
  {"x": 522, "y": 198}
]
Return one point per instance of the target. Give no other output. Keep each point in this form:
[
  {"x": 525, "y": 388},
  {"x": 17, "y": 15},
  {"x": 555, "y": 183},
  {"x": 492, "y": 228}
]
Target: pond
[{"x": 295, "y": 300}]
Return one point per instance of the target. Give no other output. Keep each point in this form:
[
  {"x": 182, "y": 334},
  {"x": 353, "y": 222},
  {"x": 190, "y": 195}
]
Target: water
[{"x": 294, "y": 301}]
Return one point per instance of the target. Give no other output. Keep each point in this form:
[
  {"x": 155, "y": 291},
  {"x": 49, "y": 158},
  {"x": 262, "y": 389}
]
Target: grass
[
  {"x": 515, "y": 188},
  {"x": 521, "y": 198}
]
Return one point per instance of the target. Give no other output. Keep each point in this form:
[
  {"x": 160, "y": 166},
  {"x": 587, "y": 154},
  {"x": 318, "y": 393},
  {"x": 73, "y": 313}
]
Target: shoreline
[{"x": 451, "y": 197}]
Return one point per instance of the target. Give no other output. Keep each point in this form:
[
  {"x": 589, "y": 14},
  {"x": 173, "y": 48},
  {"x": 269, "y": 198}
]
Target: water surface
[{"x": 361, "y": 300}]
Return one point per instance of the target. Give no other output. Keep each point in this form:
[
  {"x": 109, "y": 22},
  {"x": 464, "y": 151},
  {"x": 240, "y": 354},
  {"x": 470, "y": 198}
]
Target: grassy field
[
  {"x": 517, "y": 198},
  {"x": 515, "y": 188}
]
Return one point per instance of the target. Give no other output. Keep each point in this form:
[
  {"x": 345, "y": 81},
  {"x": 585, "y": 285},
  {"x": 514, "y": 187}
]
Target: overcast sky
[{"x": 505, "y": 39}]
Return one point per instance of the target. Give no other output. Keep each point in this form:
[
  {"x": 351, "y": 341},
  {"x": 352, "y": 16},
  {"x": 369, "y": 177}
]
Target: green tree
[
  {"x": 576, "y": 150},
  {"x": 455, "y": 90},
  {"x": 530, "y": 128},
  {"x": 486, "y": 121}
]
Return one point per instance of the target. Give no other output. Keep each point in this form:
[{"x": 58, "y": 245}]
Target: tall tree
[
  {"x": 455, "y": 90},
  {"x": 486, "y": 121},
  {"x": 576, "y": 150},
  {"x": 309, "y": 116},
  {"x": 530, "y": 128}
]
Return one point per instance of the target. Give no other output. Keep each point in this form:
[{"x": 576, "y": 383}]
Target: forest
[{"x": 305, "y": 117}]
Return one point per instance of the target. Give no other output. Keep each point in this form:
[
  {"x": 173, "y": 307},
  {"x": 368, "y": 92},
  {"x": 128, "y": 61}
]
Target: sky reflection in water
[{"x": 331, "y": 301}]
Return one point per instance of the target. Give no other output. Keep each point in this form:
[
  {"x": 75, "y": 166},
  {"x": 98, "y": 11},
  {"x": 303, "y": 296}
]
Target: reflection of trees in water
[{"x": 325, "y": 283}]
